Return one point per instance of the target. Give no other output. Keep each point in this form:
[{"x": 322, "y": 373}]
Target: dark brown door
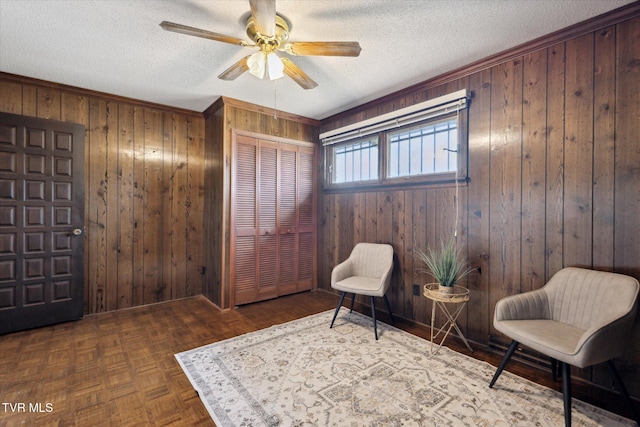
[{"x": 41, "y": 222}]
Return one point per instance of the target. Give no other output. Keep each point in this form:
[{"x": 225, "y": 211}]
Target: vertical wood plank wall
[
  {"x": 221, "y": 118},
  {"x": 554, "y": 149},
  {"x": 143, "y": 192}
]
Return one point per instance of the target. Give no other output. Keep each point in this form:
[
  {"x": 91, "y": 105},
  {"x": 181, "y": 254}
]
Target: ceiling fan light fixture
[
  {"x": 262, "y": 64},
  {"x": 274, "y": 66},
  {"x": 256, "y": 63}
]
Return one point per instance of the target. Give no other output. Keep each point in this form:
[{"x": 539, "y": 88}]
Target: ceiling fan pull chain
[{"x": 275, "y": 99}]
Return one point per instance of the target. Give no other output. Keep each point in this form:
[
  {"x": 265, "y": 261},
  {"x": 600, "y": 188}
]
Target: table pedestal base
[
  {"x": 449, "y": 324},
  {"x": 457, "y": 298}
]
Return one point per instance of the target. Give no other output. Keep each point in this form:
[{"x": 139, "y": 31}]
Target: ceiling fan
[{"x": 270, "y": 34}]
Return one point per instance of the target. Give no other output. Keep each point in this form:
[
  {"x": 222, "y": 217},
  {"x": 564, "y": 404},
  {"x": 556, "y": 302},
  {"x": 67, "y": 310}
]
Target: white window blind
[{"x": 430, "y": 109}]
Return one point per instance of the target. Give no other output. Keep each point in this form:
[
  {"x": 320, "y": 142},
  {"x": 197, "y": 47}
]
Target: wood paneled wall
[
  {"x": 554, "y": 149},
  {"x": 143, "y": 191},
  {"x": 221, "y": 118}
]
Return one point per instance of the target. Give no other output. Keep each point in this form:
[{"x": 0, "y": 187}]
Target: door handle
[{"x": 77, "y": 231}]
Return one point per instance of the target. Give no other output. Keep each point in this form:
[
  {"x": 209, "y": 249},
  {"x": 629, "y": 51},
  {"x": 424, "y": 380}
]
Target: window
[
  {"x": 427, "y": 149},
  {"x": 419, "y": 144},
  {"x": 355, "y": 161}
]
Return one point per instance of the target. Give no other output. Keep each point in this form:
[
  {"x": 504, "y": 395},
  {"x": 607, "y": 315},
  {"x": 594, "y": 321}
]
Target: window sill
[{"x": 396, "y": 184}]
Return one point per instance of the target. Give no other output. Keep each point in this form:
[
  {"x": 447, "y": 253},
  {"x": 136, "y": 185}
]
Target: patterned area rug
[{"x": 302, "y": 373}]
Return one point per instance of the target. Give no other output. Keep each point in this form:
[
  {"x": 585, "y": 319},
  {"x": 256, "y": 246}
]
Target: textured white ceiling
[{"x": 118, "y": 47}]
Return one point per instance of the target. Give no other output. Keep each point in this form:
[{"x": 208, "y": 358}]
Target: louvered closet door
[
  {"x": 306, "y": 251},
  {"x": 288, "y": 221},
  {"x": 273, "y": 222},
  {"x": 244, "y": 220},
  {"x": 296, "y": 219},
  {"x": 268, "y": 221}
]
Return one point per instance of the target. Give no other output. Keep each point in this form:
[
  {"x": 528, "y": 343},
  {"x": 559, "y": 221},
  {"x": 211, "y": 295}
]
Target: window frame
[
  {"x": 383, "y": 137},
  {"x": 329, "y": 169}
]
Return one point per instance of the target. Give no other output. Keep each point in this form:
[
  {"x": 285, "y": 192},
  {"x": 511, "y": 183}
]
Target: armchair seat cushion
[
  {"x": 555, "y": 339},
  {"x": 361, "y": 285}
]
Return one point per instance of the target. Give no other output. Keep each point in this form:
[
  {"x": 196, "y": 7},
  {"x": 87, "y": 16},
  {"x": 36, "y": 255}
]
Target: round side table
[{"x": 451, "y": 305}]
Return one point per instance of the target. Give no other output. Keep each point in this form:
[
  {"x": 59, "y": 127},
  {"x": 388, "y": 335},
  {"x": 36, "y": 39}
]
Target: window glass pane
[
  {"x": 394, "y": 148},
  {"x": 415, "y": 154},
  {"x": 442, "y": 155},
  {"x": 355, "y": 161},
  {"x": 427, "y": 149}
]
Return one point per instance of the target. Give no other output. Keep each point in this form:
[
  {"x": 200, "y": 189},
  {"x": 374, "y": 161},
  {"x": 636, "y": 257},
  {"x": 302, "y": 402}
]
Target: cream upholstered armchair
[
  {"x": 580, "y": 317},
  {"x": 367, "y": 271}
]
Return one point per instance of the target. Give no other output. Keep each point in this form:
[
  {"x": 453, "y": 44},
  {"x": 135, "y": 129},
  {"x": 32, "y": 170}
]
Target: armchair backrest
[
  {"x": 587, "y": 298},
  {"x": 371, "y": 259}
]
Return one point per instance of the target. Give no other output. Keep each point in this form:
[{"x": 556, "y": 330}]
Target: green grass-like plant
[{"x": 447, "y": 264}]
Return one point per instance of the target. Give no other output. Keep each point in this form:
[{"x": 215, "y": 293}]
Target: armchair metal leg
[
  {"x": 353, "y": 299},
  {"x": 566, "y": 392},
  {"x": 623, "y": 391},
  {"x": 505, "y": 359},
  {"x": 337, "y": 309},
  {"x": 373, "y": 314},
  {"x": 386, "y": 301},
  {"x": 554, "y": 369}
]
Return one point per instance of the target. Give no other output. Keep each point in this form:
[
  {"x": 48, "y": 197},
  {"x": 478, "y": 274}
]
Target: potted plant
[{"x": 446, "y": 264}]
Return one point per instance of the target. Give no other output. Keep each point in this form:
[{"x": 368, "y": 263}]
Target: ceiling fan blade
[
  {"x": 264, "y": 12},
  {"x": 235, "y": 70},
  {"x": 323, "y": 48},
  {"x": 299, "y": 76},
  {"x": 191, "y": 31}
]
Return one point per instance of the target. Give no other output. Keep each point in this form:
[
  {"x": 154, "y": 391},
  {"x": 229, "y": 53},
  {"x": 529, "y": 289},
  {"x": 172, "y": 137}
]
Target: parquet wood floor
[{"x": 119, "y": 369}]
